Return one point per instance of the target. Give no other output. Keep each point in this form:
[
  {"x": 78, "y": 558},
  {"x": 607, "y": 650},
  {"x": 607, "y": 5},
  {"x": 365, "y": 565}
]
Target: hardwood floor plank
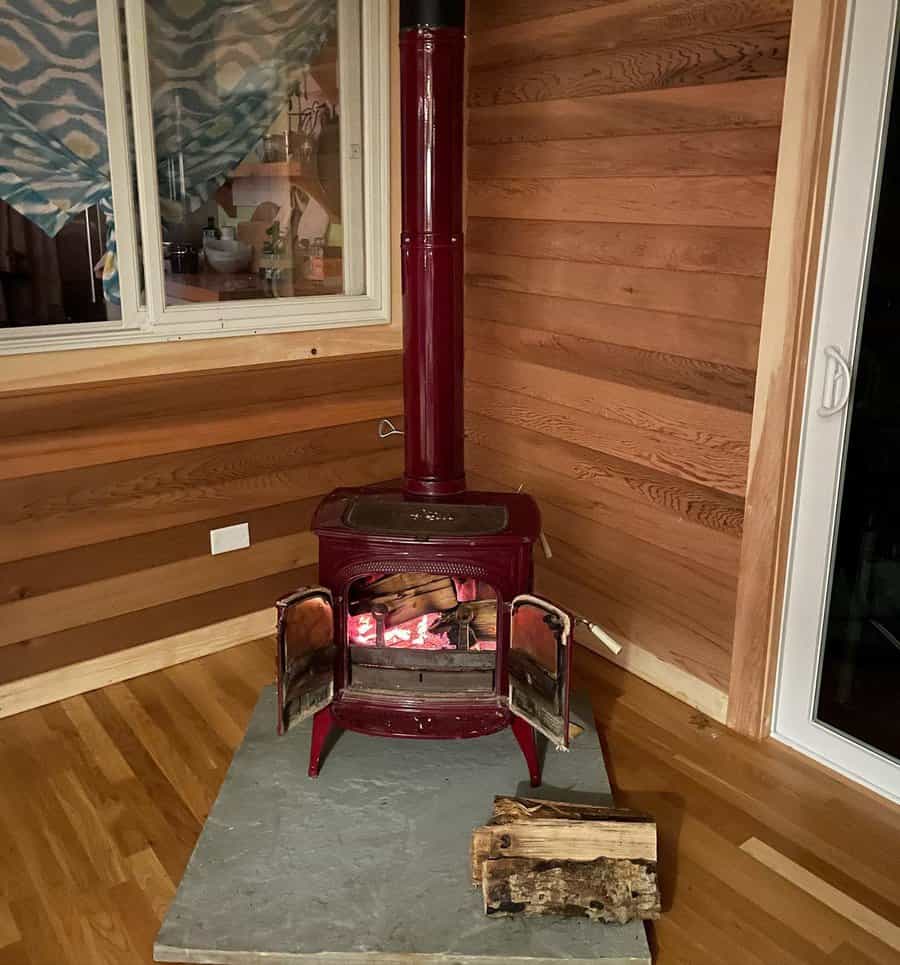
[
  {"x": 708, "y": 107},
  {"x": 708, "y": 789},
  {"x": 9, "y": 932},
  {"x": 42, "y": 935},
  {"x": 714, "y": 58},
  {"x": 743, "y": 202},
  {"x": 96, "y": 741},
  {"x": 159, "y": 745},
  {"x": 877, "y": 926},
  {"x": 724, "y": 251},
  {"x": 153, "y": 880},
  {"x": 605, "y": 26},
  {"x": 88, "y": 828}
]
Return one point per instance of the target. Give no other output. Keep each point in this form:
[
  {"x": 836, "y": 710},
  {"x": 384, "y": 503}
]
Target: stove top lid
[{"x": 373, "y": 515}]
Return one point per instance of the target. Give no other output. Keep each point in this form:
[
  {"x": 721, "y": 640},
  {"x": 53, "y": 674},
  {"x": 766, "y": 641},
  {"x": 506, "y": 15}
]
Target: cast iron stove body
[{"x": 425, "y": 624}]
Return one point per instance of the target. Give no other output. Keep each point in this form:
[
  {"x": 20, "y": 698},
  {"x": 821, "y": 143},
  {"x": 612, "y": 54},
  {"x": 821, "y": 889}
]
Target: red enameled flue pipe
[{"x": 432, "y": 58}]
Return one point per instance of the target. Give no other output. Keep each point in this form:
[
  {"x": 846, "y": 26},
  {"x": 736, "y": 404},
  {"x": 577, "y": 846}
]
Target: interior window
[
  {"x": 247, "y": 107},
  {"x": 231, "y": 134},
  {"x": 56, "y": 221}
]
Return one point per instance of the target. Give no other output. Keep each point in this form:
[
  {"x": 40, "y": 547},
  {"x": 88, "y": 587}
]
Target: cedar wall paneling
[
  {"x": 621, "y": 162},
  {"x": 108, "y": 493}
]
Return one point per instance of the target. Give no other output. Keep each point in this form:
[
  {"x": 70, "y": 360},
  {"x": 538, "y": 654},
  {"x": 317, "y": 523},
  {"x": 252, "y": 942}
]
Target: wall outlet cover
[{"x": 229, "y": 538}]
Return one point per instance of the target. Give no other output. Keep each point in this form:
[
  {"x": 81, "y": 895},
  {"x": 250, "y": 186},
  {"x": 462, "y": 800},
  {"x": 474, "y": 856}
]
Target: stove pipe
[{"x": 432, "y": 60}]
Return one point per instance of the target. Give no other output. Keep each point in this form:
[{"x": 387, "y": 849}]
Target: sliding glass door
[{"x": 839, "y": 677}]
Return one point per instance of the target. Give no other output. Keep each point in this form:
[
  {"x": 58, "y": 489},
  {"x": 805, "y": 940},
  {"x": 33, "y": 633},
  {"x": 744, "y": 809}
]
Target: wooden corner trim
[{"x": 814, "y": 63}]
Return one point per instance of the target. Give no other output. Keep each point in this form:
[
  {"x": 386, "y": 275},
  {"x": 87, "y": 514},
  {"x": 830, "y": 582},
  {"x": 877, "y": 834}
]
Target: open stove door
[
  {"x": 540, "y": 666},
  {"x": 305, "y": 654}
]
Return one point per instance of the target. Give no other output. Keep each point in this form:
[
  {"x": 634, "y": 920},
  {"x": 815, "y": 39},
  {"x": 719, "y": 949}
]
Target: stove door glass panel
[
  {"x": 306, "y": 653},
  {"x": 540, "y": 666}
]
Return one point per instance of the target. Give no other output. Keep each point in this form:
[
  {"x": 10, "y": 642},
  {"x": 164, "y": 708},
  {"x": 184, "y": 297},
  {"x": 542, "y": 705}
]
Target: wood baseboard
[
  {"x": 53, "y": 685},
  {"x": 666, "y": 676}
]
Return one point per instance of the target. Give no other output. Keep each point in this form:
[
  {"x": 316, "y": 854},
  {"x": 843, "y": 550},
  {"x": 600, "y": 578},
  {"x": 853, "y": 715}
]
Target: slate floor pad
[{"x": 369, "y": 863}]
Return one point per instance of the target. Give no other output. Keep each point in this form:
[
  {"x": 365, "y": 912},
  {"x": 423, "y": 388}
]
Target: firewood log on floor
[{"x": 551, "y": 858}]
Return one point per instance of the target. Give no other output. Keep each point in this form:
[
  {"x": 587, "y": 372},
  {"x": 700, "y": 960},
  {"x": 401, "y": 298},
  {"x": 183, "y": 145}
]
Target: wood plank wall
[
  {"x": 108, "y": 493},
  {"x": 621, "y": 162}
]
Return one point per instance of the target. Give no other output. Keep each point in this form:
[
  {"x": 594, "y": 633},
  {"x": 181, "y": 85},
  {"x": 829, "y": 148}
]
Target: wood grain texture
[
  {"x": 112, "y": 788},
  {"x": 729, "y": 344},
  {"x": 726, "y": 250},
  {"x": 813, "y": 74},
  {"x": 607, "y": 26},
  {"x": 109, "y": 492},
  {"x": 732, "y": 55},
  {"x": 745, "y": 202},
  {"x": 730, "y": 152},
  {"x": 733, "y": 298},
  {"x": 621, "y": 168},
  {"x": 713, "y": 107}
]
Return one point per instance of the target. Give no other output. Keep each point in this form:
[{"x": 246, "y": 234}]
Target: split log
[
  {"x": 510, "y": 809},
  {"x": 606, "y": 889},
  {"x": 555, "y": 858},
  {"x": 480, "y": 616},
  {"x": 405, "y": 596}
]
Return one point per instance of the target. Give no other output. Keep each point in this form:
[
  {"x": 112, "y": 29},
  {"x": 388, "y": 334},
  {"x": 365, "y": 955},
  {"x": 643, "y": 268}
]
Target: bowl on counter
[{"x": 228, "y": 256}]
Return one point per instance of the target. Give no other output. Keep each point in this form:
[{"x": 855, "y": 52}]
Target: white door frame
[{"x": 851, "y": 210}]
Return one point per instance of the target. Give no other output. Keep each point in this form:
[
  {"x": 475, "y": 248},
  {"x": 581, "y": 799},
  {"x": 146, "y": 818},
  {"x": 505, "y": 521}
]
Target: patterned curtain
[
  {"x": 53, "y": 152},
  {"x": 220, "y": 73},
  {"x": 221, "y": 70}
]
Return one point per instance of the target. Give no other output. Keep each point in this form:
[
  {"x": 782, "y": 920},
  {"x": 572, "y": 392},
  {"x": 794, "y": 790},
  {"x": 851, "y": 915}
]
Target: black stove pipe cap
[{"x": 432, "y": 13}]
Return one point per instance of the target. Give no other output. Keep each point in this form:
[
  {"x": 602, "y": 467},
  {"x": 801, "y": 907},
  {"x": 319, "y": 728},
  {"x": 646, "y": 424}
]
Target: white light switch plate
[{"x": 229, "y": 538}]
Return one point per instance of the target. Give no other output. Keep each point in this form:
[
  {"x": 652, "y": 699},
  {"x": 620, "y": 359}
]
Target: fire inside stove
[{"x": 422, "y": 632}]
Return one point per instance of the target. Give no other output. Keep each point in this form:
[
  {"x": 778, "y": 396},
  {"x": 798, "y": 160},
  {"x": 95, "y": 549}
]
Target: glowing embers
[{"x": 422, "y": 611}]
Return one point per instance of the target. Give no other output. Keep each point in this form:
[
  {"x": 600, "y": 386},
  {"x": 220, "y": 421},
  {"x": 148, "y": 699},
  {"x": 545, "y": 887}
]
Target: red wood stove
[{"x": 425, "y": 625}]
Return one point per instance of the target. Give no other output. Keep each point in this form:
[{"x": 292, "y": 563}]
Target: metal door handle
[{"x": 835, "y": 395}]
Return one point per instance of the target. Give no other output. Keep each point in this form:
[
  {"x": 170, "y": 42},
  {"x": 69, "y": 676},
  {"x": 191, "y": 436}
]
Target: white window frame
[
  {"x": 860, "y": 132},
  {"x": 365, "y": 202}
]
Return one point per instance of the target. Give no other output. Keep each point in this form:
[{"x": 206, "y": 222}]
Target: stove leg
[
  {"x": 323, "y": 724},
  {"x": 525, "y": 736}
]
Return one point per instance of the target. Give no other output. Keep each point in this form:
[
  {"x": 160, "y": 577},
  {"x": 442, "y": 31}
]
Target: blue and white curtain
[
  {"x": 220, "y": 73},
  {"x": 220, "y": 69},
  {"x": 53, "y": 153}
]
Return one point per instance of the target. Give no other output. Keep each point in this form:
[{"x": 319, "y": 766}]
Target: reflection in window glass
[
  {"x": 246, "y": 111},
  {"x": 57, "y": 237}
]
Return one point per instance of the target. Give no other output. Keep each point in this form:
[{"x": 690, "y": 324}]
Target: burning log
[
  {"x": 404, "y": 596},
  {"x": 468, "y": 623},
  {"x": 551, "y": 858}
]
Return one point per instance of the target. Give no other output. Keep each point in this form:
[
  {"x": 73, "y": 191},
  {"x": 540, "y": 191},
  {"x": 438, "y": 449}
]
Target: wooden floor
[{"x": 765, "y": 858}]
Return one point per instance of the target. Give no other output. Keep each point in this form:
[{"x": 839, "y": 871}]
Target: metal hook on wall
[{"x": 387, "y": 428}]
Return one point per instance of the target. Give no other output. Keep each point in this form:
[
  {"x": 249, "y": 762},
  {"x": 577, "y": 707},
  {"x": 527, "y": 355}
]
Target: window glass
[
  {"x": 247, "y": 108},
  {"x": 56, "y": 219}
]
